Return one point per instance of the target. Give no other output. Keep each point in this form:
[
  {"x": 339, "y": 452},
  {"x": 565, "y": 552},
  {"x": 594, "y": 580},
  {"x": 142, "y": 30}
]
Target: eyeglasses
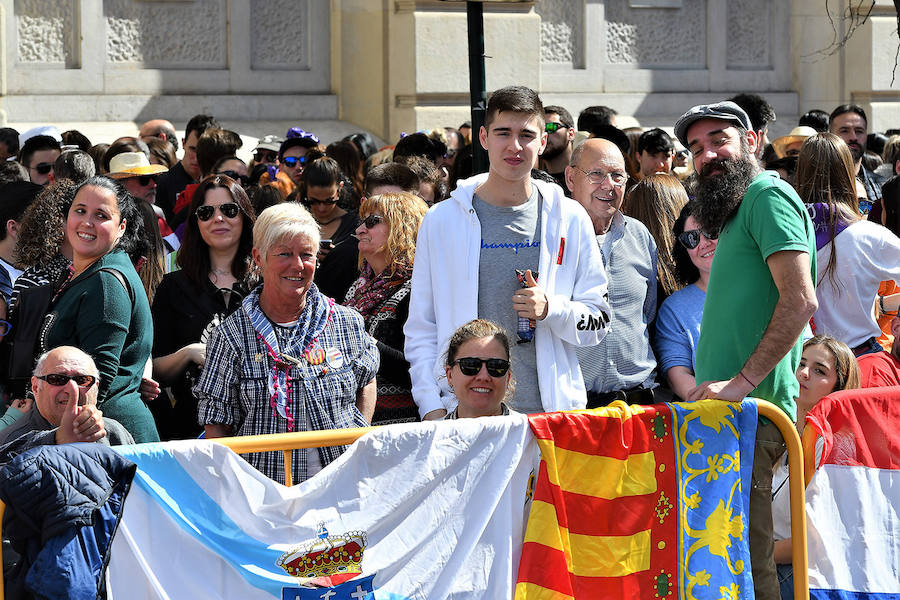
[
  {"x": 292, "y": 161},
  {"x": 554, "y": 127},
  {"x": 144, "y": 180},
  {"x": 690, "y": 238},
  {"x": 265, "y": 156},
  {"x": 616, "y": 178},
  {"x": 42, "y": 168},
  {"x": 5, "y": 327},
  {"x": 61, "y": 379},
  {"x": 229, "y": 210},
  {"x": 326, "y": 201},
  {"x": 372, "y": 220},
  {"x": 243, "y": 179},
  {"x": 471, "y": 366}
]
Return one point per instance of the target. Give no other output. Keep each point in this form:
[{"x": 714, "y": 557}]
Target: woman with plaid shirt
[{"x": 289, "y": 359}]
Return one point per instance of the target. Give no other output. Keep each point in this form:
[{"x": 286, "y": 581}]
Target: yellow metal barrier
[{"x": 287, "y": 442}]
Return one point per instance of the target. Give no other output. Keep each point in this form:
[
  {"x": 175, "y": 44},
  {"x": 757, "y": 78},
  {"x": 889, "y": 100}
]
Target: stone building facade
[{"x": 401, "y": 65}]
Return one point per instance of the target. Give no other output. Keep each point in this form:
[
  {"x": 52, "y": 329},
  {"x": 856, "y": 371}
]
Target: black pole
[{"x": 477, "y": 92}]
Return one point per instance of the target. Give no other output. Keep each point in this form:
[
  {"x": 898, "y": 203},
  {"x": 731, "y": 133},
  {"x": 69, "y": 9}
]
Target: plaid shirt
[{"x": 232, "y": 389}]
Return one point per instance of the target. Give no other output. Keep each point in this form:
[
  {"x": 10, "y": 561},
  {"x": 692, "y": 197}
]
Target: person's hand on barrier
[
  {"x": 80, "y": 423},
  {"x": 435, "y": 415},
  {"x": 733, "y": 390},
  {"x": 530, "y": 302},
  {"x": 149, "y": 389},
  {"x": 23, "y": 405}
]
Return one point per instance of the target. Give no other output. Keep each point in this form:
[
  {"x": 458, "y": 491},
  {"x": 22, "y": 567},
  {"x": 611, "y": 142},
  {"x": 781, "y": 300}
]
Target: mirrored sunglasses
[
  {"x": 229, "y": 210},
  {"x": 690, "y": 238},
  {"x": 61, "y": 379},
  {"x": 293, "y": 161},
  {"x": 553, "y": 127},
  {"x": 470, "y": 366}
]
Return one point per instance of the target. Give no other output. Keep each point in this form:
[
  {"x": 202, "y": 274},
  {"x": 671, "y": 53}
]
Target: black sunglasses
[
  {"x": 471, "y": 366},
  {"x": 553, "y": 127},
  {"x": 690, "y": 238},
  {"x": 243, "y": 179},
  {"x": 265, "y": 156},
  {"x": 229, "y": 210},
  {"x": 293, "y": 161},
  {"x": 43, "y": 168},
  {"x": 144, "y": 180},
  {"x": 372, "y": 220},
  {"x": 326, "y": 201},
  {"x": 61, "y": 379}
]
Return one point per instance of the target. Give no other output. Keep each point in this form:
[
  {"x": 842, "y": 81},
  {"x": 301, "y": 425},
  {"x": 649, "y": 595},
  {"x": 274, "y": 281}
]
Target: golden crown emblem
[{"x": 326, "y": 555}]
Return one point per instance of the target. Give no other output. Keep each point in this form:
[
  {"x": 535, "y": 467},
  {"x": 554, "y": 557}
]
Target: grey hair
[
  {"x": 287, "y": 220},
  {"x": 39, "y": 365}
]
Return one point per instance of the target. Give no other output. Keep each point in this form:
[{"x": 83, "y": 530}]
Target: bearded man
[{"x": 760, "y": 294}]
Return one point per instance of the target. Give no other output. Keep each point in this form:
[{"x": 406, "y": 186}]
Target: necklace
[{"x": 321, "y": 224}]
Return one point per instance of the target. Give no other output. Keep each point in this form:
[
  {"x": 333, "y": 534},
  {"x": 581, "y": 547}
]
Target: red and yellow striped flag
[{"x": 603, "y": 522}]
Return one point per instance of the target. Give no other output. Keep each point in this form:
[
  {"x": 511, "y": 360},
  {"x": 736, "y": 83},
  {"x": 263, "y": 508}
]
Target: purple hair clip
[{"x": 296, "y": 132}]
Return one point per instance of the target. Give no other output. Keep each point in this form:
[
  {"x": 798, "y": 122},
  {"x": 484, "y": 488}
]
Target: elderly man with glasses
[
  {"x": 622, "y": 366},
  {"x": 65, "y": 405}
]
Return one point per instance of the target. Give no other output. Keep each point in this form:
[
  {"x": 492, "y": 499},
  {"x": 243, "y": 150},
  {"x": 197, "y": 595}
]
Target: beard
[
  {"x": 718, "y": 197},
  {"x": 856, "y": 151},
  {"x": 554, "y": 151}
]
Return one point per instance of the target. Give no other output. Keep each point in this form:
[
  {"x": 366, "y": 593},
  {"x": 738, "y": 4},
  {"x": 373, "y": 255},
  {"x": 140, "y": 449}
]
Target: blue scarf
[{"x": 310, "y": 324}]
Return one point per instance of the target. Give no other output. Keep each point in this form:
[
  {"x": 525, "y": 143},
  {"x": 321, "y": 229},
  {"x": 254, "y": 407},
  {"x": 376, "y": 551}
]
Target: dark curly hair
[{"x": 43, "y": 226}]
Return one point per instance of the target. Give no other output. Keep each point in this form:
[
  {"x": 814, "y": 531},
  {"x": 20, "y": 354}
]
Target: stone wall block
[
  {"x": 656, "y": 36},
  {"x": 47, "y": 32},
  {"x": 160, "y": 34},
  {"x": 562, "y": 38},
  {"x": 748, "y": 33},
  {"x": 279, "y": 34}
]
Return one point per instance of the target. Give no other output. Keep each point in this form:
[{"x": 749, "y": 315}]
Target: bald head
[
  {"x": 159, "y": 128},
  {"x": 50, "y": 399},
  {"x": 597, "y": 177}
]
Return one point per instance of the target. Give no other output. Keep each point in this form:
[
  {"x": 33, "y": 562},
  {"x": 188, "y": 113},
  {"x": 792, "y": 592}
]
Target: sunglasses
[
  {"x": 471, "y": 366},
  {"x": 5, "y": 327},
  {"x": 42, "y": 168},
  {"x": 144, "y": 180},
  {"x": 243, "y": 179},
  {"x": 229, "y": 210},
  {"x": 326, "y": 201},
  {"x": 61, "y": 379},
  {"x": 292, "y": 161},
  {"x": 690, "y": 238},
  {"x": 554, "y": 127},
  {"x": 372, "y": 220},
  {"x": 265, "y": 156}
]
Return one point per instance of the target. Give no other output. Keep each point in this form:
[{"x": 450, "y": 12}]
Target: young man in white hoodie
[{"x": 468, "y": 250}]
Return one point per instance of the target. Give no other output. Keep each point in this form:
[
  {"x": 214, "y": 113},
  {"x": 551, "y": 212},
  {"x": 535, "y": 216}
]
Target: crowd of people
[{"x": 145, "y": 297}]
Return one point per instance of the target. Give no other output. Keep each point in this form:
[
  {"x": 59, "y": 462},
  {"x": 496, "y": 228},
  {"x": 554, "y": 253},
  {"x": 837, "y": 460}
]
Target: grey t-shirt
[{"x": 510, "y": 240}]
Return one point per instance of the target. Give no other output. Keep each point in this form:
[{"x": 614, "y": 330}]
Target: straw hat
[
  {"x": 132, "y": 164},
  {"x": 797, "y": 134}
]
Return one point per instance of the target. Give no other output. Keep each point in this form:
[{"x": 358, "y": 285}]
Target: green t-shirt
[{"x": 741, "y": 295}]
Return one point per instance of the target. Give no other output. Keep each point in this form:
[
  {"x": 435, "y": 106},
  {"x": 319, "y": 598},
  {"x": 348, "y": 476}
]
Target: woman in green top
[{"x": 102, "y": 308}]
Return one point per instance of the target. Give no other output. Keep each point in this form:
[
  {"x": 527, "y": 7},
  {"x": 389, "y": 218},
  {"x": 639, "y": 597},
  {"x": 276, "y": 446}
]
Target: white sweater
[
  {"x": 867, "y": 254},
  {"x": 445, "y": 295}
]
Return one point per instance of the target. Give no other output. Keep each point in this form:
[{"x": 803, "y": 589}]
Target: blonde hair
[
  {"x": 403, "y": 213},
  {"x": 284, "y": 221}
]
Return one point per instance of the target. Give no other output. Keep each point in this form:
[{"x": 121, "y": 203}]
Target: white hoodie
[{"x": 445, "y": 295}]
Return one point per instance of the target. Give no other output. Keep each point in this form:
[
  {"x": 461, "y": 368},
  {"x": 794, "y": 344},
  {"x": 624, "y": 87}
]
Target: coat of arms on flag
[{"x": 641, "y": 502}]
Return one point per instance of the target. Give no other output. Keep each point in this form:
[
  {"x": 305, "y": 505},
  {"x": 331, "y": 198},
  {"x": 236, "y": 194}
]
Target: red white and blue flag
[{"x": 853, "y": 500}]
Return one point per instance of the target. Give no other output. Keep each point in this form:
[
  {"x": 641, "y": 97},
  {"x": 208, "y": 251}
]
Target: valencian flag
[
  {"x": 853, "y": 500},
  {"x": 641, "y": 502}
]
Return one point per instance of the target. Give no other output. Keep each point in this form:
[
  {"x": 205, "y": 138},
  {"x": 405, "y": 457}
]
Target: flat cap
[{"x": 726, "y": 111}]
